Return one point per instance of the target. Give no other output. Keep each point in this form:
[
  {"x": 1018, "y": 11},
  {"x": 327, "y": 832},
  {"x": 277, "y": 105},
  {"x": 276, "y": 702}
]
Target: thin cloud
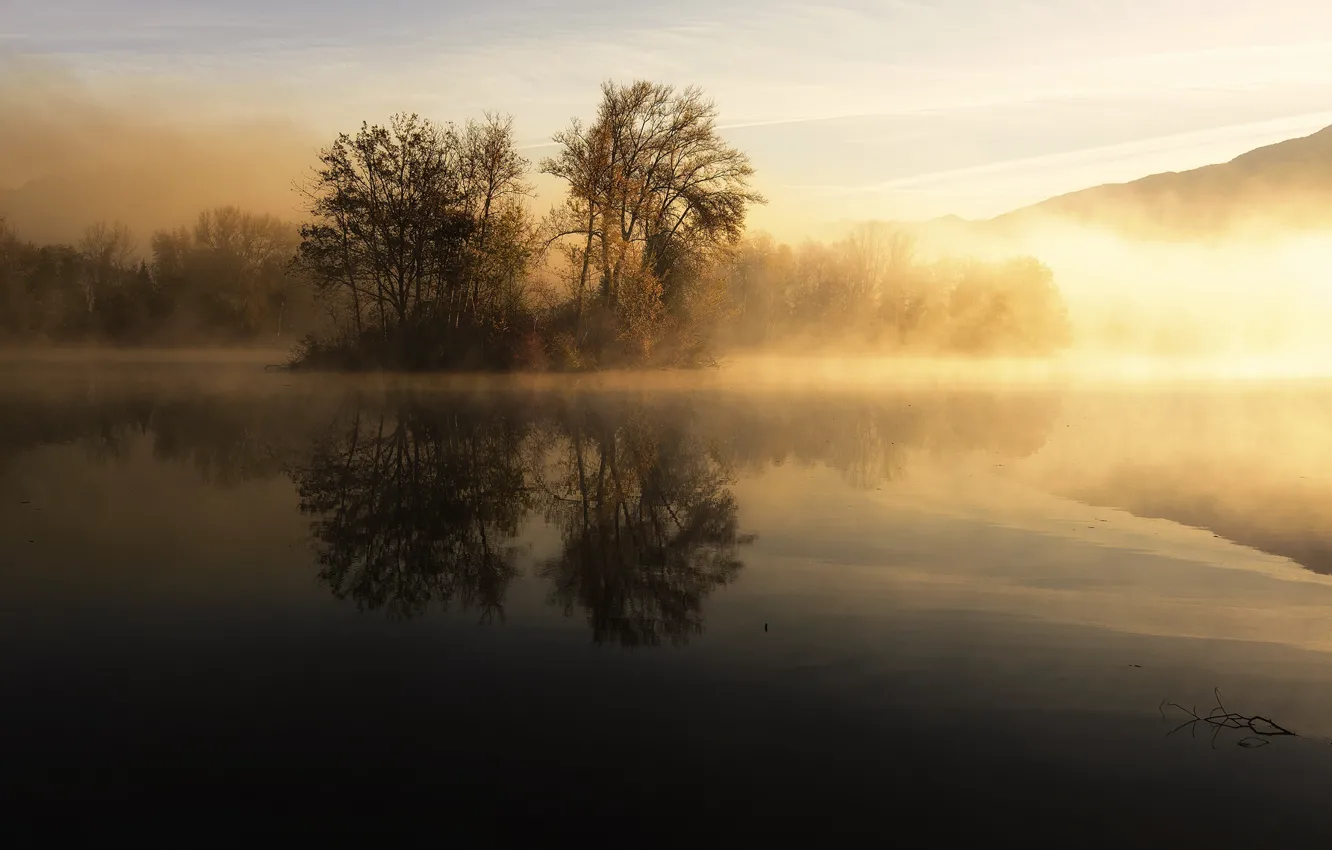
[{"x": 1244, "y": 136}]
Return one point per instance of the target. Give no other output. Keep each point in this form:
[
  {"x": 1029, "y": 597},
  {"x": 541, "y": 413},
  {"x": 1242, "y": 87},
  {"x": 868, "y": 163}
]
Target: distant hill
[
  {"x": 1278, "y": 187},
  {"x": 1288, "y": 184}
]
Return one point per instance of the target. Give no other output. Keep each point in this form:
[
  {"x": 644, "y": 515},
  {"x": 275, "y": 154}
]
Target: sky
[{"x": 850, "y": 109}]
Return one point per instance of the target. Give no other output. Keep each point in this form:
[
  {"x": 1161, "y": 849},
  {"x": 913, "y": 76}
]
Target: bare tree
[
  {"x": 584, "y": 163},
  {"x": 652, "y": 188},
  {"x": 494, "y": 184},
  {"x": 107, "y": 250},
  {"x": 245, "y": 260}
]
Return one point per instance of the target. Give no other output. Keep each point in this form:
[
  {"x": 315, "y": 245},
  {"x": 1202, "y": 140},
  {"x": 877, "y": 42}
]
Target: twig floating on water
[{"x": 1262, "y": 729}]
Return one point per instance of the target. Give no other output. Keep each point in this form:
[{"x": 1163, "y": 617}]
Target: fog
[
  {"x": 1246, "y": 292},
  {"x": 1258, "y": 289},
  {"x": 71, "y": 155}
]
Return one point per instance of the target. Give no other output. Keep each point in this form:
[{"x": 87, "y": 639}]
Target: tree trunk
[{"x": 587, "y": 261}]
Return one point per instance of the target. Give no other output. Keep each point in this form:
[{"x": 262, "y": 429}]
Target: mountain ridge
[
  {"x": 1280, "y": 186},
  {"x": 1284, "y": 184}
]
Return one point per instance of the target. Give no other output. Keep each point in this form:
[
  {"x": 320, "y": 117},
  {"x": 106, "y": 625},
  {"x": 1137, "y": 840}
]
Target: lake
[{"x": 665, "y": 608}]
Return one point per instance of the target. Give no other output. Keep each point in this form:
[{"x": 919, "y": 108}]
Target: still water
[{"x": 666, "y": 610}]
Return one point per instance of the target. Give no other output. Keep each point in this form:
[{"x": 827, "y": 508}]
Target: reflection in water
[
  {"x": 648, "y": 525},
  {"x": 421, "y": 499},
  {"x": 442, "y": 481},
  {"x": 1250, "y": 463},
  {"x": 227, "y": 438},
  {"x": 1288, "y": 520},
  {"x": 424, "y": 499},
  {"x": 416, "y": 506},
  {"x": 418, "y": 503}
]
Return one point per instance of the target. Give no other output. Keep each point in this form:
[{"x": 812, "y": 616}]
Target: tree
[
  {"x": 14, "y": 301},
  {"x": 418, "y": 240},
  {"x": 1012, "y": 307},
  {"x": 583, "y": 162},
  {"x": 872, "y": 290},
  {"x": 758, "y": 283},
  {"x": 653, "y": 189},
  {"x": 229, "y": 274},
  {"x": 881, "y": 275},
  {"x": 244, "y": 259},
  {"x": 107, "y": 250},
  {"x": 494, "y": 182},
  {"x": 387, "y": 227}
]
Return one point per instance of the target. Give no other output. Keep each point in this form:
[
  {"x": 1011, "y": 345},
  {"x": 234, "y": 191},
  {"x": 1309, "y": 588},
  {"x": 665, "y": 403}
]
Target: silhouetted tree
[
  {"x": 418, "y": 243},
  {"x": 240, "y": 264},
  {"x": 15, "y": 304},
  {"x": 503, "y": 244},
  {"x": 106, "y": 250}
]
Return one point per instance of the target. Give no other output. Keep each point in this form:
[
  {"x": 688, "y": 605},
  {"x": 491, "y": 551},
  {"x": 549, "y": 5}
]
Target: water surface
[{"x": 694, "y": 609}]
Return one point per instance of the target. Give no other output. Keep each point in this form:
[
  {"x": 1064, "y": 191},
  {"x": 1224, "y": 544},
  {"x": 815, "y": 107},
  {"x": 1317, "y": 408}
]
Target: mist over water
[
  {"x": 289, "y": 580},
  {"x": 1256, "y": 292}
]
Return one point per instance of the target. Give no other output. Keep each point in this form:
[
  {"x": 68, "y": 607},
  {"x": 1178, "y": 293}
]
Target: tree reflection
[
  {"x": 423, "y": 499},
  {"x": 417, "y": 507},
  {"x": 875, "y": 439},
  {"x": 648, "y": 524}
]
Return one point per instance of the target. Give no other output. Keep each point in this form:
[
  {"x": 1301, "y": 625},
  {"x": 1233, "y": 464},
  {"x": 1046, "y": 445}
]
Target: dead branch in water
[{"x": 1262, "y": 729}]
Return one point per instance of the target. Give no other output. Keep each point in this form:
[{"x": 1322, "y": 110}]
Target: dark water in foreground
[{"x": 487, "y": 612}]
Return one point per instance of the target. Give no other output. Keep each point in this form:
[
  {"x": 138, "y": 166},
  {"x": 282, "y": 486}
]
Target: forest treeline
[
  {"x": 420, "y": 248},
  {"x": 228, "y": 278}
]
